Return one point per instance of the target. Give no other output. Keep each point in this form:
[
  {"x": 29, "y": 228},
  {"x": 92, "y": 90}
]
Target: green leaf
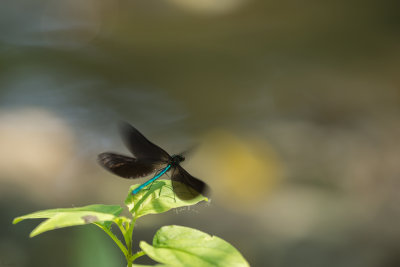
[
  {"x": 158, "y": 199},
  {"x": 158, "y": 265},
  {"x": 182, "y": 246},
  {"x": 111, "y": 209},
  {"x": 58, "y": 218}
]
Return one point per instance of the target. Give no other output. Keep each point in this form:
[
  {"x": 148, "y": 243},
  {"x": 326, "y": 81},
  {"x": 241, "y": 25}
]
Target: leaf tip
[
  {"x": 33, "y": 234},
  {"x": 143, "y": 245},
  {"x": 16, "y": 220}
]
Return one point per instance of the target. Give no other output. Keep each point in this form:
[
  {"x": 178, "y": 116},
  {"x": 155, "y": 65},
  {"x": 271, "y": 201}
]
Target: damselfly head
[{"x": 176, "y": 159}]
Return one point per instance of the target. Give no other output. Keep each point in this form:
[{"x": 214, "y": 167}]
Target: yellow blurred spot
[
  {"x": 209, "y": 6},
  {"x": 240, "y": 171}
]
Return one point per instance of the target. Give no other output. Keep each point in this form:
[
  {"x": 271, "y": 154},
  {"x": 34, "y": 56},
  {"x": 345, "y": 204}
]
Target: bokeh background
[{"x": 294, "y": 105}]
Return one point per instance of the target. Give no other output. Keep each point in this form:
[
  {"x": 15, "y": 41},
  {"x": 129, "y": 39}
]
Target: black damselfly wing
[
  {"x": 185, "y": 185},
  {"x": 148, "y": 158},
  {"x": 126, "y": 167},
  {"x": 140, "y": 146}
]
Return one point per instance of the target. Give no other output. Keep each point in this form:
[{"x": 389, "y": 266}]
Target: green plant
[{"x": 172, "y": 245}]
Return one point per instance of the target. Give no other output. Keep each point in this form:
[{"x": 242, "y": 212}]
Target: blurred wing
[
  {"x": 126, "y": 167},
  {"x": 189, "y": 151},
  {"x": 186, "y": 186},
  {"x": 140, "y": 146}
]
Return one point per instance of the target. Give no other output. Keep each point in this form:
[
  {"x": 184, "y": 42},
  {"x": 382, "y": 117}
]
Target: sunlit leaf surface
[
  {"x": 59, "y": 218},
  {"x": 183, "y": 246},
  {"x": 157, "y": 265},
  {"x": 158, "y": 198}
]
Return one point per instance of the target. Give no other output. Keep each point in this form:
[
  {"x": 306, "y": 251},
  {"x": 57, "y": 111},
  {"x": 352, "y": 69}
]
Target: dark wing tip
[
  {"x": 188, "y": 187},
  {"x": 104, "y": 158},
  {"x": 111, "y": 161},
  {"x": 205, "y": 190},
  {"x": 123, "y": 166}
]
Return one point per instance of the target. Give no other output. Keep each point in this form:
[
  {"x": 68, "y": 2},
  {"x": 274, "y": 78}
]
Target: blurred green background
[{"x": 295, "y": 106}]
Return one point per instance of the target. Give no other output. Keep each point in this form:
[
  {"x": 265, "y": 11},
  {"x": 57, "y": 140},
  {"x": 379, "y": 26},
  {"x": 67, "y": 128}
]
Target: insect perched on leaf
[{"x": 149, "y": 158}]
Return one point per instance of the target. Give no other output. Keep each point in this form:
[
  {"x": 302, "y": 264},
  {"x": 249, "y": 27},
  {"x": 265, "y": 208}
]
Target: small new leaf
[{"x": 158, "y": 198}]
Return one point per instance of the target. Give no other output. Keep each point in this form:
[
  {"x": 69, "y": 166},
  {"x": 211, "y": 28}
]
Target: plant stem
[
  {"x": 116, "y": 240},
  {"x": 129, "y": 234},
  {"x": 124, "y": 232},
  {"x": 137, "y": 255},
  {"x": 128, "y": 239},
  {"x": 129, "y": 262}
]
